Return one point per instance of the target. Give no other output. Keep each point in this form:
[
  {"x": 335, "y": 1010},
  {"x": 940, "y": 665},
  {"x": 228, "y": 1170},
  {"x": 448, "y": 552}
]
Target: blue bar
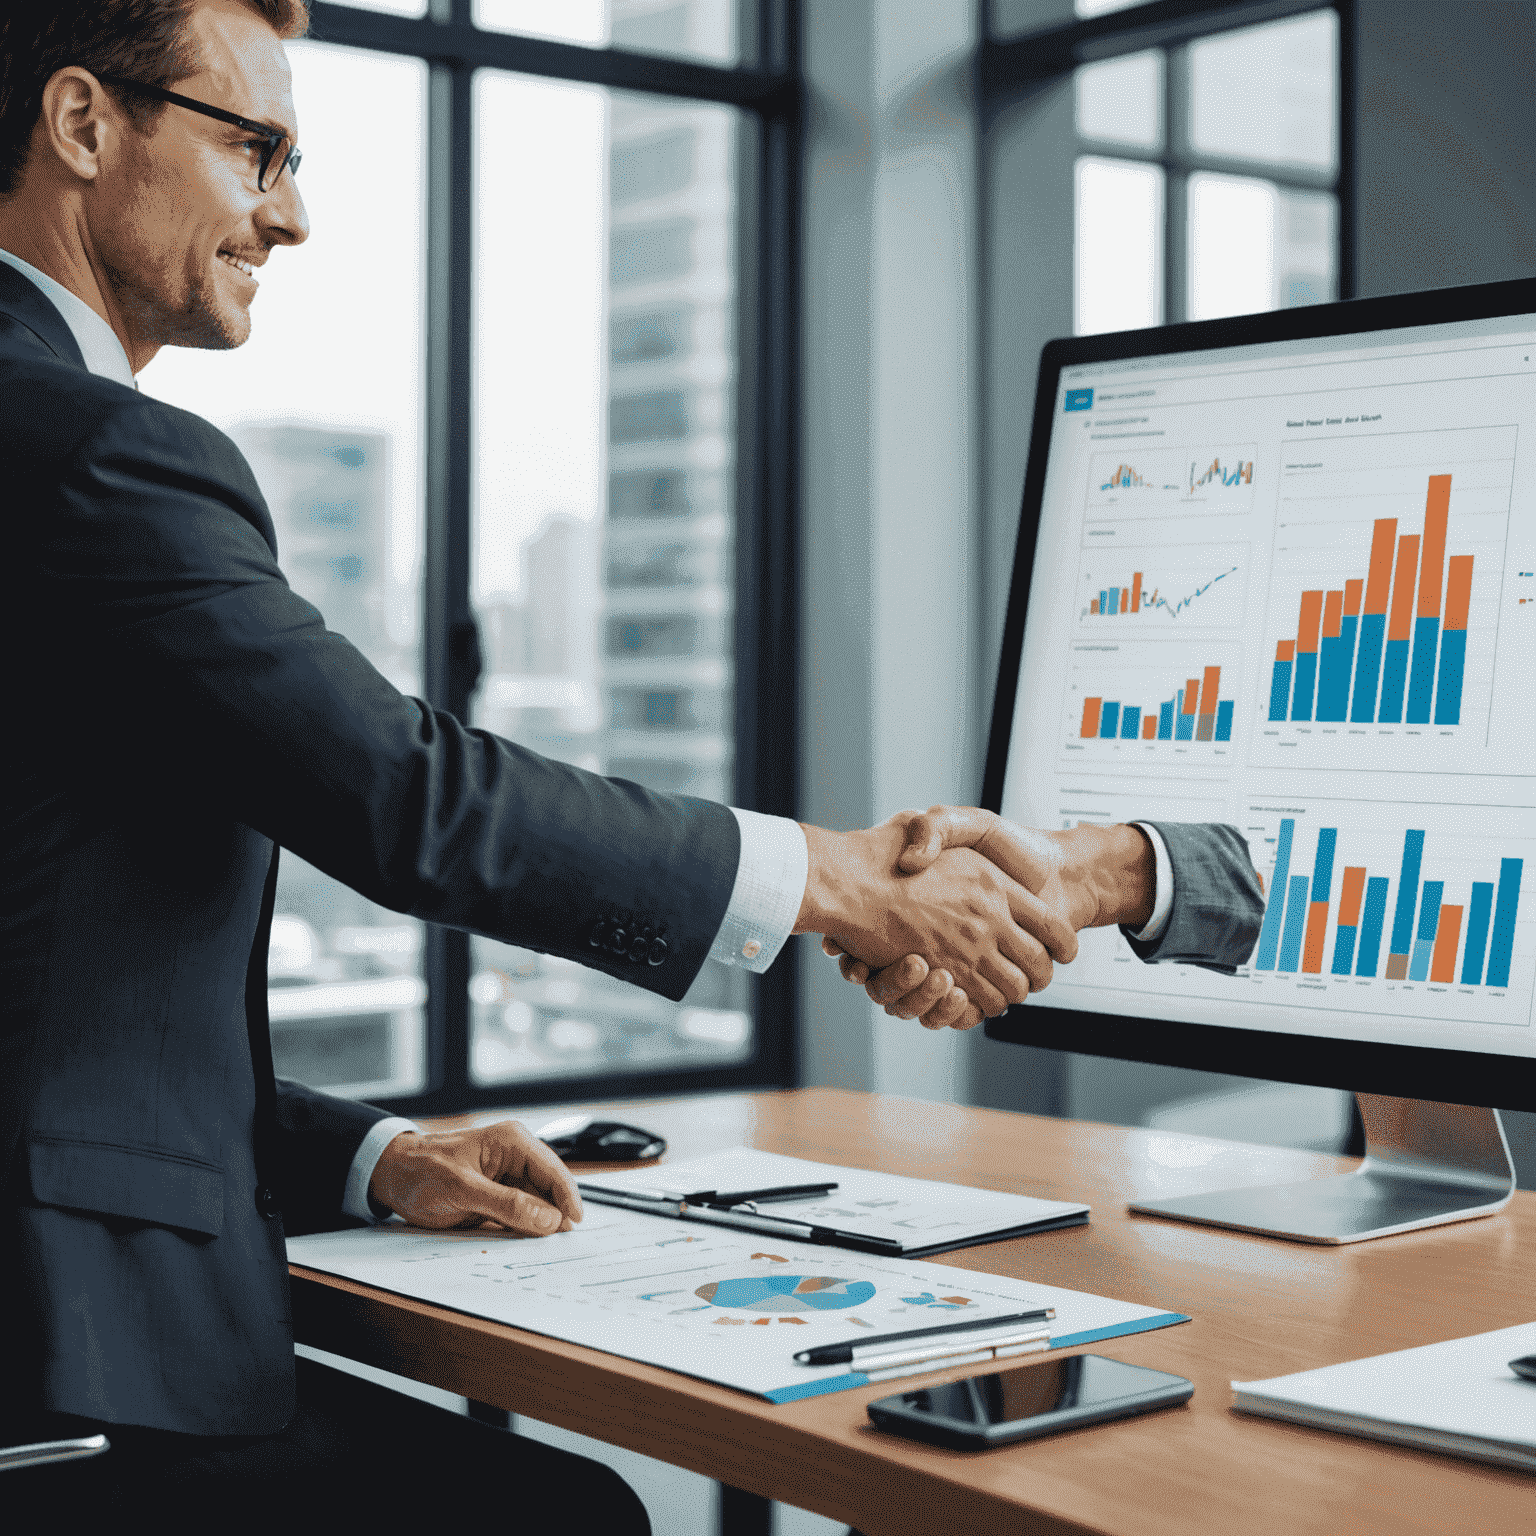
[
  {"x": 1114, "y": 600},
  {"x": 1418, "y": 968},
  {"x": 1109, "y": 722},
  {"x": 1393, "y": 671},
  {"x": 1368, "y": 667},
  {"x": 1280, "y": 691},
  {"x": 1269, "y": 933},
  {"x": 1429, "y": 924},
  {"x": 1165, "y": 721},
  {"x": 1370, "y": 929},
  {"x": 1477, "y": 933},
  {"x": 1344, "y": 950},
  {"x": 1103, "y": 600},
  {"x": 1306, "y": 677},
  {"x": 1453, "y": 659},
  {"x": 1421, "y": 682},
  {"x": 1503, "y": 945},
  {"x": 1295, "y": 924},
  {"x": 1224, "y": 720},
  {"x": 1322, "y": 866},
  {"x": 1184, "y": 730},
  {"x": 1130, "y": 723},
  {"x": 1337, "y": 662},
  {"x": 1407, "y": 893}
]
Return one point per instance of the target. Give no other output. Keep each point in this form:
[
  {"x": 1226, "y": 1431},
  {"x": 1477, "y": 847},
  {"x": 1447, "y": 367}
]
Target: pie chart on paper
[{"x": 787, "y": 1293}]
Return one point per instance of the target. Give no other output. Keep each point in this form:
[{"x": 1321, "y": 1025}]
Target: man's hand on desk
[
  {"x": 491, "y": 1175},
  {"x": 1086, "y": 877},
  {"x": 957, "y": 910}
]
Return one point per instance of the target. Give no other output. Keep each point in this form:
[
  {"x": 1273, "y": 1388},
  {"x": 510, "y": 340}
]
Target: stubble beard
[{"x": 199, "y": 320}]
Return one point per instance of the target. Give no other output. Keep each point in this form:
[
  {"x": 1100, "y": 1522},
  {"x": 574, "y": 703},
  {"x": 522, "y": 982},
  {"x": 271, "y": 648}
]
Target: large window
[
  {"x": 496, "y": 405},
  {"x": 1207, "y": 180}
]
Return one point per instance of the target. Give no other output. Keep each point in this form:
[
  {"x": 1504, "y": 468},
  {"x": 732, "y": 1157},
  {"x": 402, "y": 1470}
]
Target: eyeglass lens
[{"x": 280, "y": 153}]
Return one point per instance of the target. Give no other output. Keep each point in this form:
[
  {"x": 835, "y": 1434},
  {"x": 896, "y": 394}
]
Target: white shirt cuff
[
  {"x": 1163, "y": 905},
  {"x": 354, "y": 1199},
  {"x": 769, "y": 890}
]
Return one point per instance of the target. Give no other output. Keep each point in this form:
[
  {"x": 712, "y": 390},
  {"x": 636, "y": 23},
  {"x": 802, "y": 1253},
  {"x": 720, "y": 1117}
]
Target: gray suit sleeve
[{"x": 1218, "y": 903}]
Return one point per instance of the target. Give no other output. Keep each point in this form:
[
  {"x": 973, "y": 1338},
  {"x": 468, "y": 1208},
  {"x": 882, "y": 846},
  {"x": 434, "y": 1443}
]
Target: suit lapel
[{"x": 24, "y": 302}]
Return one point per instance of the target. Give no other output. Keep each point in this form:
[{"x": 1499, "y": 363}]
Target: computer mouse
[
  {"x": 581, "y": 1139},
  {"x": 1524, "y": 1366}
]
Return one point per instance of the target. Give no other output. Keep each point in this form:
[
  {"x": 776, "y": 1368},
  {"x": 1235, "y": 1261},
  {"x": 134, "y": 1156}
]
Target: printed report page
[{"x": 1291, "y": 588}]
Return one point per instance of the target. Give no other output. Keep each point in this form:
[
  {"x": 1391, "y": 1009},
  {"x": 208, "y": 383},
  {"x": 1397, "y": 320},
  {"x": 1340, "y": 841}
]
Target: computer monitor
[{"x": 1279, "y": 571}]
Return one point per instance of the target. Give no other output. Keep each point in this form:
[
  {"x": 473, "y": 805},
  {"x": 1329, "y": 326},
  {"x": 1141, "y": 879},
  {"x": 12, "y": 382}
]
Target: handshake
[{"x": 951, "y": 915}]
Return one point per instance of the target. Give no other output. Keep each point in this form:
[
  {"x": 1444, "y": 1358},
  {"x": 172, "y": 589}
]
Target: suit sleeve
[
  {"x": 206, "y": 680},
  {"x": 1218, "y": 904}
]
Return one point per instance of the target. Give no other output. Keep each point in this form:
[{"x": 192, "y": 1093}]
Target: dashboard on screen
[{"x": 1292, "y": 587}]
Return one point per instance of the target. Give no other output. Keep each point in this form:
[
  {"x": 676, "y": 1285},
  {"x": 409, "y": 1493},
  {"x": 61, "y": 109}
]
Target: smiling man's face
[{"x": 178, "y": 223}]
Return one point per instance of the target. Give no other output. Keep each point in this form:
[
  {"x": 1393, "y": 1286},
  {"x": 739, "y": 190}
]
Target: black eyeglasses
[{"x": 278, "y": 153}]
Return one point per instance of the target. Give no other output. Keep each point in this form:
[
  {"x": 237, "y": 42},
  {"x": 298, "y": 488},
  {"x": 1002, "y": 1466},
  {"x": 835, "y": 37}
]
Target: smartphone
[{"x": 1030, "y": 1400}]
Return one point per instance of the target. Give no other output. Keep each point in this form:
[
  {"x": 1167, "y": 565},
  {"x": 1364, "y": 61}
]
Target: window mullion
[{"x": 1176, "y": 117}]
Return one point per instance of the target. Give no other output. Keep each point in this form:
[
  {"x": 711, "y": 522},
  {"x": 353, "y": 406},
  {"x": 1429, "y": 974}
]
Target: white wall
[{"x": 889, "y": 579}]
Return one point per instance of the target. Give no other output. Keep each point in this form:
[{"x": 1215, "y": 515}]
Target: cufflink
[{"x": 751, "y": 949}]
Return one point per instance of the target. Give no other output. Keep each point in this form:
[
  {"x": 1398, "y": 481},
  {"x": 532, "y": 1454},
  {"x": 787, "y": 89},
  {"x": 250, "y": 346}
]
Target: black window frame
[
  {"x": 1012, "y": 64},
  {"x": 768, "y": 88}
]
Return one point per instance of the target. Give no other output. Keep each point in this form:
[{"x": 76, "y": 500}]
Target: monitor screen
[{"x": 1288, "y": 582}]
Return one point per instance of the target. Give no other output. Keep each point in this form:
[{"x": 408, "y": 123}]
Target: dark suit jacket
[
  {"x": 176, "y": 711},
  {"x": 1218, "y": 903}
]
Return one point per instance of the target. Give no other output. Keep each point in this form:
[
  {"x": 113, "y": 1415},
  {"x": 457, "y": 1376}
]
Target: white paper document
[
  {"x": 725, "y": 1306},
  {"x": 920, "y": 1215},
  {"x": 1460, "y": 1397}
]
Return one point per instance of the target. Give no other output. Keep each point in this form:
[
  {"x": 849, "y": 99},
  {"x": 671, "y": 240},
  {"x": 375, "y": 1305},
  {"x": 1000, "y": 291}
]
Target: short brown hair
[{"x": 135, "y": 39}]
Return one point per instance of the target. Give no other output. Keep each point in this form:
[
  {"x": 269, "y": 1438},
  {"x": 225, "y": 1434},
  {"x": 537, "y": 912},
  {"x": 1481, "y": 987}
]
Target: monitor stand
[{"x": 1425, "y": 1164}]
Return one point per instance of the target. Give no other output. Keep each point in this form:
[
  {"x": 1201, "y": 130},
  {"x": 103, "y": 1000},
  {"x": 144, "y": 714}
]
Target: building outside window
[{"x": 601, "y": 484}]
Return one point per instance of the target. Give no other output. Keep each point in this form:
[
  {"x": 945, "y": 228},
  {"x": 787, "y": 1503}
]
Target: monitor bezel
[{"x": 1419, "y": 1072}]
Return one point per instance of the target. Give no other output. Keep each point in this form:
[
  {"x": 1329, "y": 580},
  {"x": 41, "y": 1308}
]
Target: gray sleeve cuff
[{"x": 354, "y": 1199}]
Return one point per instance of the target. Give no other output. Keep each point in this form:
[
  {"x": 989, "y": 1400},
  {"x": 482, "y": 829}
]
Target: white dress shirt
[{"x": 770, "y": 875}]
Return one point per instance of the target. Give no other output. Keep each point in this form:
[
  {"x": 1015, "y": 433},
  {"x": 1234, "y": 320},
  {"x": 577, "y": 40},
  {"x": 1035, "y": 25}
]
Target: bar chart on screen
[
  {"x": 1420, "y": 909},
  {"x": 1154, "y": 699},
  {"x": 1384, "y": 598},
  {"x": 1202, "y": 480},
  {"x": 1197, "y": 586}
]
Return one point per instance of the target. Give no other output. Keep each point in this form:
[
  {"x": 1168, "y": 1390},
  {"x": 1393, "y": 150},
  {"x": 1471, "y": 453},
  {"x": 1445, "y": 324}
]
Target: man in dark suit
[{"x": 177, "y": 715}]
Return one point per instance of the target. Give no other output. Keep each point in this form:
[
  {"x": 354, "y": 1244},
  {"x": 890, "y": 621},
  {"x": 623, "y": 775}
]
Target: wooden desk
[{"x": 1261, "y": 1308}]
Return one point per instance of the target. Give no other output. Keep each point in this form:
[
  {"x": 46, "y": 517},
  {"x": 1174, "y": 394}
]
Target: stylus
[{"x": 851, "y": 1349}]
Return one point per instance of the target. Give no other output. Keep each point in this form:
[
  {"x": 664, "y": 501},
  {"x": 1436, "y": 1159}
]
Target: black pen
[
  {"x": 732, "y": 1197},
  {"x": 842, "y": 1354}
]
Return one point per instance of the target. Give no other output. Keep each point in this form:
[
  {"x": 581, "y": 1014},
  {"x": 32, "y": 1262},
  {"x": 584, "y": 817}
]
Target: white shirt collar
[{"x": 98, "y": 343}]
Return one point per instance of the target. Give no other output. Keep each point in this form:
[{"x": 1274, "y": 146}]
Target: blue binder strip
[{"x": 852, "y": 1379}]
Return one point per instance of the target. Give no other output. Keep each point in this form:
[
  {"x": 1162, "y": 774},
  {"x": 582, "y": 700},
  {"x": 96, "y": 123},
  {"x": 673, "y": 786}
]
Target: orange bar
[
  {"x": 1333, "y": 603},
  {"x": 1349, "y": 901},
  {"x": 1400, "y": 626},
  {"x": 1208, "y": 694},
  {"x": 1317, "y": 931},
  {"x": 1442, "y": 960},
  {"x": 1458, "y": 592},
  {"x": 1352, "y": 598},
  {"x": 1091, "y": 709},
  {"x": 1149, "y": 727},
  {"x": 1285, "y": 650},
  {"x": 1379, "y": 580},
  {"x": 1093, "y": 605},
  {"x": 1191, "y": 697},
  {"x": 1432, "y": 557},
  {"x": 1136, "y": 593},
  {"x": 1306, "y": 625}
]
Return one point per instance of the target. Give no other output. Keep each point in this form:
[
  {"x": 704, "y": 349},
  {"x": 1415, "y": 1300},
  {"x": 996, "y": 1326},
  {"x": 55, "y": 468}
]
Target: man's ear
[{"x": 78, "y": 124}]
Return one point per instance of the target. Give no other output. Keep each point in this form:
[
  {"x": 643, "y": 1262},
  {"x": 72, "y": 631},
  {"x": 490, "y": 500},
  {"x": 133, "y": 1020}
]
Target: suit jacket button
[
  {"x": 267, "y": 1202},
  {"x": 618, "y": 941},
  {"x": 639, "y": 950},
  {"x": 596, "y": 940},
  {"x": 659, "y": 951}
]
